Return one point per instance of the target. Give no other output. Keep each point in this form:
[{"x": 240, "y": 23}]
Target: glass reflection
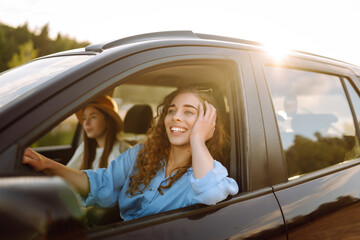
[
  {"x": 314, "y": 117},
  {"x": 25, "y": 78}
]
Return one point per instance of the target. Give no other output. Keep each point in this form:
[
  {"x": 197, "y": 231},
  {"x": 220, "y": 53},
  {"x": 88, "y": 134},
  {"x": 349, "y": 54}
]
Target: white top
[{"x": 77, "y": 158}]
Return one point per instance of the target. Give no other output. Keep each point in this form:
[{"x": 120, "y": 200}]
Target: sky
[{"x": 325, "y": 27}]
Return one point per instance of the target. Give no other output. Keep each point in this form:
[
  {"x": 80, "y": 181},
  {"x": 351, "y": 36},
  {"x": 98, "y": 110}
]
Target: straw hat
[{"x": 106, "y": 104}]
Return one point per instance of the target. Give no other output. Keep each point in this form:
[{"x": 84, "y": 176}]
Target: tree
[
  {"x": 12, "y": 40},
  {"x": 42, "y": 41},
  {"x": 308, "y": 155},
  {"x": 26, "y": 53}
]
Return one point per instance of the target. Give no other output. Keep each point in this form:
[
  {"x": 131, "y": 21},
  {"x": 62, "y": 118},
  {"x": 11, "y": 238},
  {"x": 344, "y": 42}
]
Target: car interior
[{"x": 137, "y": 101}]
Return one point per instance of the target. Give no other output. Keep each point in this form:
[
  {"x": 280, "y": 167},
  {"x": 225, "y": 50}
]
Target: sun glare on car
[{"x": 277, "y": 50}]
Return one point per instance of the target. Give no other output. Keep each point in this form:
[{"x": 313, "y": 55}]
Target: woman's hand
[
  {"x": 204, "y": 126},
  {"x": 34, "y": 159},
  {"x": 203, "y": 130},
  {"x": 76, "y": 178}
]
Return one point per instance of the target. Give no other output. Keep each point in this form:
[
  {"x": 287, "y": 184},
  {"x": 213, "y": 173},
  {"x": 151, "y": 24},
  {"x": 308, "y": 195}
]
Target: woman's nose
[
  {"x": 86, "y": 122},
  {"x": 177, "y": 116}
]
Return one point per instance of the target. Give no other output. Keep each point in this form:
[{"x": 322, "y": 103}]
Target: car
[{"x": 294, "y": 127}]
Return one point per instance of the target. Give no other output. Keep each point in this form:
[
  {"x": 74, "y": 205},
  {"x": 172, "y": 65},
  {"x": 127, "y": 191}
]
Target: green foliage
[
  {"x": 62, "y": 138},
  {"x": 27, "y": 52},
  {"x": 308, "y": 155},
  {"x": 61, "y": 134},
  {"x": 19, "y": 45}
]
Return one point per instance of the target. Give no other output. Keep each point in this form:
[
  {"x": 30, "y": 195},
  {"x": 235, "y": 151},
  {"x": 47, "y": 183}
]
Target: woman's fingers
[
  {"x": 210, "y": 114},
  {"x": 208, "y": 109},
  {"x": 27, "y": 155},
  {"x": 211, "y": 119},
  {"x": 201, "y": 111},
  {"x": 205, "y": 124},
  {"x": 33, "y": 159}
]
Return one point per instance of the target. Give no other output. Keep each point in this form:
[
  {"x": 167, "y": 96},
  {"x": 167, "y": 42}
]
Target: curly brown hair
[{"x": 156, "y": 148}]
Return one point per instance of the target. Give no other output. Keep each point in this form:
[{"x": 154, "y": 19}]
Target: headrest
[{"x": 138, "y": 119}]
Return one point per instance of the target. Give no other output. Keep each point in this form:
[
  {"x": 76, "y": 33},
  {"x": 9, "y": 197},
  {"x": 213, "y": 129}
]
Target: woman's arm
[
  {"x": 76, "y": 178},
  {"x": 203, "y": 130},
  {"x": 214, "y": 187}
]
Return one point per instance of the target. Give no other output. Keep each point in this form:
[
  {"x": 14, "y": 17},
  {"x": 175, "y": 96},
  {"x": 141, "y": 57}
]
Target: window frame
[
  {"x": 343, "y": 89},
  {"x": 165, "y": 58},
  {"x": 351, "y": 104}
]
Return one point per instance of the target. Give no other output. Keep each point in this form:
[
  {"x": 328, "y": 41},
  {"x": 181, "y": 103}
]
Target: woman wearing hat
[{"x": 101, "y": 123}]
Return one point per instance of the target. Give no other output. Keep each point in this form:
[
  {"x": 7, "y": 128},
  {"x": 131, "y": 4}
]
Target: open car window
[
  {"x": 137, "y": 107},
  {"x": 61, "y": 135},
  {"x": 137, "y": 99}
]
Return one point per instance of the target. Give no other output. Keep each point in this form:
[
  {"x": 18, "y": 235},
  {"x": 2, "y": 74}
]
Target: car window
[
  {"x": 137, "y": 106},
  {"x": 314, "y": 119},
  {"x": 127, "y": 97},
  {"x": 146, "y": 91},
  {"x": 62, "y": 134}
]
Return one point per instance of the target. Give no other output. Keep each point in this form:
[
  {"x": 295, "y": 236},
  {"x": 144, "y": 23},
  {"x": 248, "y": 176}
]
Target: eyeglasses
[
  {"x": 208, "y": 91},
  {"x": 202, "y": 89},
  {"x": 205, "y": 90}
]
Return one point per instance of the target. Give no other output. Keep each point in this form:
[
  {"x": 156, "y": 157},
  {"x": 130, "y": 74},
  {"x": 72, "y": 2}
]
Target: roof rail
[
  {"x": 248, "y": 42},
  {"x": 142, "y": 37},
  {"x": 185, "y": 35},
  {"x": 227, "y": 39}
]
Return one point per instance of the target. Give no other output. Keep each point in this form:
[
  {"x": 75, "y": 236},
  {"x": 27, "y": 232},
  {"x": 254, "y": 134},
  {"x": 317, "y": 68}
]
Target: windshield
[{"x": 22, "y": 80}]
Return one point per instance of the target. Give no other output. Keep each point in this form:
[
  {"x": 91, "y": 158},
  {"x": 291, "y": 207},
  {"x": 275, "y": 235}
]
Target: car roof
[
  {"x": 115, "y": 49},
  {"x": 189, "y": 37},
  {"x": 200, "y": 38}
]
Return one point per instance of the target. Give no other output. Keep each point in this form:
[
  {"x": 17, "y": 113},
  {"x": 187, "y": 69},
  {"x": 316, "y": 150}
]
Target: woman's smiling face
[{"x": 181, "y": 117}]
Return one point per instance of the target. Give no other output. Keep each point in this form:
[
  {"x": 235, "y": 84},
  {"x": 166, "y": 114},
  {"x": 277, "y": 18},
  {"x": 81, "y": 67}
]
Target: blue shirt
[{"x": 108, "y": 187}]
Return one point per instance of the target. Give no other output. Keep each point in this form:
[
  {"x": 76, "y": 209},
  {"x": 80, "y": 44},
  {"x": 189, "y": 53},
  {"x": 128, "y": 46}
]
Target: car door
[
  {"x": 254, "y": 212},
  {"x": 314, "y": 107}
]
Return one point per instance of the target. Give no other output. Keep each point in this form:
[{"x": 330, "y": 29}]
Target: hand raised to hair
[{"x": 204, "y": 126}]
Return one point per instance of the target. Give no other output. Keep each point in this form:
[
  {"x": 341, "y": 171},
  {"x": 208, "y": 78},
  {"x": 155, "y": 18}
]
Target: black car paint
[
  {"x": 320, "y": 200},
  {"x": 250, "y": 216},
  {"x": 264, "y": 209},
  {"x": 39, "y": 208}
]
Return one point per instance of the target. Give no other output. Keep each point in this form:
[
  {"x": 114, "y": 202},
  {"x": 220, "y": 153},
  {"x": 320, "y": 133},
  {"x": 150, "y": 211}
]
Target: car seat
[{"x": 137, "y": 121}]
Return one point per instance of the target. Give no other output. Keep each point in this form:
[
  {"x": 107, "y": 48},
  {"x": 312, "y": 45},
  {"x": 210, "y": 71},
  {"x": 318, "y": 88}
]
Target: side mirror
[{"x": 39, "y": 208}]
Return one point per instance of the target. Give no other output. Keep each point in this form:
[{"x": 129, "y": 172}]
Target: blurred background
[{"x": 33, "y": 28}]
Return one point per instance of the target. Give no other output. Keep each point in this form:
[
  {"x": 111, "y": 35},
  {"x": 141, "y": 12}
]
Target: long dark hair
[
  {"x": 90, "y": 144},
  {"x": 157, "y": 145}
]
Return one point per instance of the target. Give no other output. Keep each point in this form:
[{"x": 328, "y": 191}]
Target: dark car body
[{"x": 285, "y": 120}]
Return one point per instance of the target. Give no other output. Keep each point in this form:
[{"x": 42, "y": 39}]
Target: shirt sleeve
[
  {"x": 214, "y": 187},
  {"x": 106, "y": 183}
]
